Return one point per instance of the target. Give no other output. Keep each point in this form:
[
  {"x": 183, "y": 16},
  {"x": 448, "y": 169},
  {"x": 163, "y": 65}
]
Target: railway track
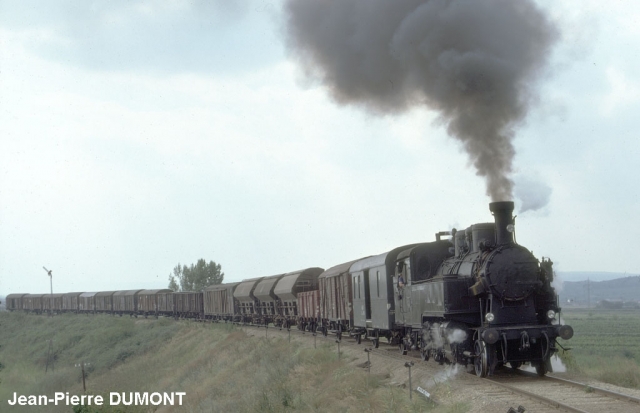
[
  {"x": 507, "y": 387},
  {"x": 565, "y": 395}
]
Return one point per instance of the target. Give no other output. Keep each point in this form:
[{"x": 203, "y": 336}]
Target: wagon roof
[
  {"x": 16, "y": 295},
  {"x": 310, "y": 269},
  {"x": 245, "y": 287},
  {"x": 126, "y": 292},
  {"x": 34, "y": 295},
  {"x": 289, "y": 280},
  {"x": 338, "y": 269},
  {"x": 265, "y": 286},
  {"x": 378, "y": 260},
  {"x": 153, "y": 292},
  {"x": 216, "y": 287},
  {"x": 89, "y": 294},
  {"x": 54, "y": 295},
  {"x": 104, "y": 293},
  {"x": 73, "y": 294}
]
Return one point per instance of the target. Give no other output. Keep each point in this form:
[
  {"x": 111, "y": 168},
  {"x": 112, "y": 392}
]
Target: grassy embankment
[
  {"x": 606, "y": 345},
  {"x": 218, "y": 366}
]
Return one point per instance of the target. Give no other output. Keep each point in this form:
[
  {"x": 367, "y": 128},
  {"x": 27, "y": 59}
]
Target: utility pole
[
  {"x": 50, "y": 349},
  {"x": 408, "y": 365},
  {"x": 49, "y": 356},
  {"x": 81, "y": 365},
  {"x": 51, "y": 288}
]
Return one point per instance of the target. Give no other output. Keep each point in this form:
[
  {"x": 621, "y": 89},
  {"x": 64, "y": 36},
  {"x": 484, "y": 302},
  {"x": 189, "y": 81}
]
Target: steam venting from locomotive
[{"x": 474, "y": 62}]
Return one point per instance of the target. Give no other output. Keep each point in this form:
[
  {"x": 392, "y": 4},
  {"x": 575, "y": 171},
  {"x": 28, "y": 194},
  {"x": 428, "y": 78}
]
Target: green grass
[
  {"x": 606, "y": 345},
  {"x": 220, "y": 367}
]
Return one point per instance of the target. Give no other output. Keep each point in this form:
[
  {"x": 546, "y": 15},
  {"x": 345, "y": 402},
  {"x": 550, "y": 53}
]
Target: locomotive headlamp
[
  {"x": 489, "y": 317},
  {"x": 551, "y": 314}
]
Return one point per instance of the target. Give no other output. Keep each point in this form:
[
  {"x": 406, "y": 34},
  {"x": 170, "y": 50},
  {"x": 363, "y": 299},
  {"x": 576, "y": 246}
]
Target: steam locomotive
[
  {"x": 485, "y": 301},
  {"x": 477, "y": 298}
]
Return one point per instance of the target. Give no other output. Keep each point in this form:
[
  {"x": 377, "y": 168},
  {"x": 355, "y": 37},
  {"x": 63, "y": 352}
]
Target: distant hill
[
  {"x": 626, "y": 289},
  {"x": 591, "y": 275}
]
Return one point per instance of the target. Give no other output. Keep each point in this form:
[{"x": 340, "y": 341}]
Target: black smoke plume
[{"x": 475, "y": 62}]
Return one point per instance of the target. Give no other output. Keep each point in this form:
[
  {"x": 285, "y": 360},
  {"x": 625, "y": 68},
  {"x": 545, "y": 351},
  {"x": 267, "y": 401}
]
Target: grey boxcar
[
  {"x": 86, "y": 302},
  {"x": 52, "y": 303},
  {"x": 219, "y": 303},
  {"x": 126, "y": 302},
  {"x": 103, "y": 302},
  {"x": 165, "y": 303},
  {"x": 148, "y": 301},
  {"x": 70, "y": 302},
  {"x": 15, "y": 302},
  {"x": 188, "y": 304},
  {"x": 32, "y": 303}
]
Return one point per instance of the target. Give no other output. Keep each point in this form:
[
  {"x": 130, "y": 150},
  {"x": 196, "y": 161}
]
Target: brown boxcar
[
  {"x": 70, "y": 302},
  {"x": 103, "y": 301},
  {"x": 148, "y": 301},
  {"x": 15, "y": 301},
  {"x": 165, "y": 303},
  {"x": 188, "y": 304},
  {"x": 247, "y": 302},
  {"x": 32, "y": 303},
  {"x": 52, "y": 303},
  {"x": 125, "y": 302},
  {"x": 289, "y": 287},
  {"x": 86, "y": 302},
  {"x": 336, "y": 310},
  {"x": 219, "y": 303},
  {"x": 309, "y": 309}
]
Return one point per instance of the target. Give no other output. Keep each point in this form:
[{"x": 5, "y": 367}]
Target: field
[
  {"x": 219, "y": 366},
  {"x": 606, "y": 345}
]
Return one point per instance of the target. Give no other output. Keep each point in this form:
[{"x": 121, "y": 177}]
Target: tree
[{"x": 195, "y": 277}]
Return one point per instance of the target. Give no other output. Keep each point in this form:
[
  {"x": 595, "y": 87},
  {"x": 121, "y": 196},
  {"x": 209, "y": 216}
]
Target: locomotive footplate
[{"x": 491, "y": 335}]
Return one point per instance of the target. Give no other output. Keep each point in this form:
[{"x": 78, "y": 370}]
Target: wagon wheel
[
  {"x": 481, "y": 362},
  {"x": 541, "y": 368},
  {"x": 515, "y": 364},
  {"x": 324, "y": 331},
  {"x": 403, "y": 348},
  {"x": 358, "y": 338}
]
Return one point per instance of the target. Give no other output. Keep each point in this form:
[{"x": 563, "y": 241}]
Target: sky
[{"x": 138, "y": 135}]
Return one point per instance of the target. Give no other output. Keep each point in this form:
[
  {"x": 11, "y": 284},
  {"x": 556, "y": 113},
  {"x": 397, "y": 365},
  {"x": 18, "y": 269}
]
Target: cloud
[
  {"x": 195, "y": 36},
  {"x": 623, "y": 92},
  {"x": 533, "y": 193}
]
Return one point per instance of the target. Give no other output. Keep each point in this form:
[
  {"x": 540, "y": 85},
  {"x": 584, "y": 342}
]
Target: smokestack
[{"x": 502, "y": 213}]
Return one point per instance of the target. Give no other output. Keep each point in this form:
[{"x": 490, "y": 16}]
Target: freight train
[{"x": 473, "y": 297}]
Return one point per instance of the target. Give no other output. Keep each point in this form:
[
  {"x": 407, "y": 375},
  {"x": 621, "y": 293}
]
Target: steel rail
[
  {"x": 599, "y": 390},
  {"x": 546, "y": 400}
]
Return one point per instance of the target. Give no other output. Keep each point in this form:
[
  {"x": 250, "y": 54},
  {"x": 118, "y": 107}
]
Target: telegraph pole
[{"x": 50, "y": 349}]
